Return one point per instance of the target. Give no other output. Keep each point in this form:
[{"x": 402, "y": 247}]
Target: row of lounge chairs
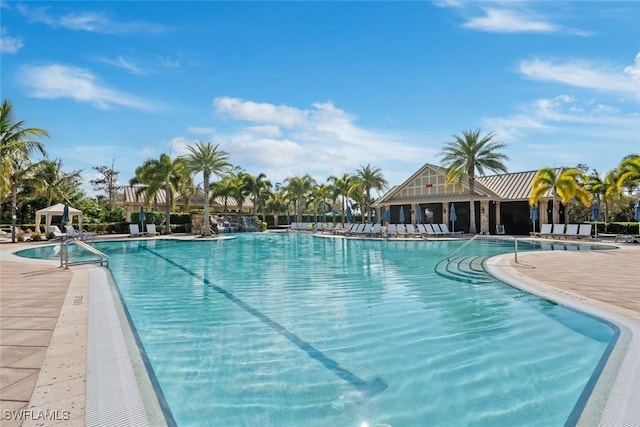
[
  {"x": 557, "y": 231},
  {"x": 134, "y": 230},
  {"x": 377, "y": 230}
]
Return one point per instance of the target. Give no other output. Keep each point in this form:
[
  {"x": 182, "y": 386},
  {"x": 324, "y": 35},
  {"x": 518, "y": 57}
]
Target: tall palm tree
[
  {"x": 563, "y": 183},
  {"x": 276, "y": 204},
  {"x": 162, "y": 173},
  {"x": 340, "y": 189},
  {"x": 471, "y": 153},
  {"x": 17, "y": 144},
  {"x": 372, "y": 179},
  {"x": 298, "y": 188},
  {"x": 207, "y": 159},
  {"x": 54, "y": 183},
  {"x": 629, "y": 170},
  {"x": 357, "y": 192},
  {"x": 321, "y": 196},
  {"x": 604, "y": 188}
]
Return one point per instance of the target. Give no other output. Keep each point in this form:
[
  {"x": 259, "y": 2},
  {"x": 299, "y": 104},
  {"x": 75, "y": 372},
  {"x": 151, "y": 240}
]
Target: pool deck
[{"x": 44, "y": 316}]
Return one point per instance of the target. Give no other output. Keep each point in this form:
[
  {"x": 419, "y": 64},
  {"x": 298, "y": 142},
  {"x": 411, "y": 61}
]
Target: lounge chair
[
  {"x": 411, "y": 230},
  {"x": 367, "y": 229},
  {"x": 134, "y": 230},
  {"x": 584, "y": 231},
  {"x": 431, "y": 230},
  {"x": 151, "y": 230},
  {"x": 57, "y": 233},
  {"x": 82, "y": 235},
  {"x": 421, "y": 229},
  {"x": 392, "y": 230},
  {"x": 445, "y": 230},
  {"x": 401, "y": 230},
  {"x": 557, "y": 230},
  {"x": 376, "y": 230},
  {"x": 571, "y": 231},
  {"x": 545, "y": 231}
]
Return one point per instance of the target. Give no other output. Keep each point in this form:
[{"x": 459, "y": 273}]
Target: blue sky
[{"x": 289, "y": 88}]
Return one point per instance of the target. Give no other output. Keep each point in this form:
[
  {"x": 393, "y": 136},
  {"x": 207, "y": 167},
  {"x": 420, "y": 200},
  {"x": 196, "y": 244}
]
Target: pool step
[{"x": 468, "y": 269}]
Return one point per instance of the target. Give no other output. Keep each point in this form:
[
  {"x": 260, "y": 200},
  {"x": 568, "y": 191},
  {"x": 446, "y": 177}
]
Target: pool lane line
[{"x": 367, "y": 389}]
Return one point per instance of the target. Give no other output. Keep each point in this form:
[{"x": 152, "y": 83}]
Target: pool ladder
[{"x": 103, "y": 259}]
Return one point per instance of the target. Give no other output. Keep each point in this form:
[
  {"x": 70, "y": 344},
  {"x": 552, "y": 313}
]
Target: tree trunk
[
  {"x": 167, "y": 211},
  {"x": 14, "y": 211},
  {"x": 206, "y": 227}
]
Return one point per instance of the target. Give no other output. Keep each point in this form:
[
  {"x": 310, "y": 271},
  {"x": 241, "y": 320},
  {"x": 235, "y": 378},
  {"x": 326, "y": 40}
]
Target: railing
[
  {"x": 64, "y": 254},
  {"x": 515, "y": 248},
  {"x": 465, "y": 244}
]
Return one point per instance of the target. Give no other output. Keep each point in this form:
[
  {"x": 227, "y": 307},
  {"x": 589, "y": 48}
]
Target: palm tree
[
  {"x": 260, "y": 189},
  {"x": 604, "y": 188},
  {"x": 298, "y": 188},
  {"x": 16, "y": 148},
  {"x": 563, "y": 183},
  {"x": 53, "y": 182},
  {"x": 470, "y": 153},
  {"x": 372, "y": 179},
  {"x": 276, "y": 204},
  {"x": 209, "y": 160},
  {"x": 340, "y": 188},
  {"x": 162, "y": 173},
  {"x": 357, "y": 192},
  {"x": 629, "y": 170},
  {"x": 320, "y": 194}
]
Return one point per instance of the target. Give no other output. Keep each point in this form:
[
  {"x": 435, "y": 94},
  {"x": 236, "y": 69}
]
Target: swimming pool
[{"x": 295, "y": 330}]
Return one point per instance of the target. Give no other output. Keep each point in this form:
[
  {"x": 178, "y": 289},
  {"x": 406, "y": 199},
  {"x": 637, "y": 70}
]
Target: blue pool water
[{"x": 291, "y": 330}]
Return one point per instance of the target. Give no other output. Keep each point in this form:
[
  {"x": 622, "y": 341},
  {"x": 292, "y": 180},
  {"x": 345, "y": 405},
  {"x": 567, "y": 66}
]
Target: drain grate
[{"x": 78, "y": 300}]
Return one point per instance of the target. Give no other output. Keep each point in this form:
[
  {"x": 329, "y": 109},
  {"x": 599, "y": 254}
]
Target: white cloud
[
  {"x": 60, "y": 81},
  {"x": 506, "y": 17},
  {"x": 123, "y": 63},
  {"x": 9, "y": 44},
  {"x": 323, "y": 140},
  {"x": 584, "y": 74},
  {"x": 87, "y": 21},
  {"x": 565, "y": 131},
  {"x": 509, "y": 21},
  {"x": 258, "y": 112}
]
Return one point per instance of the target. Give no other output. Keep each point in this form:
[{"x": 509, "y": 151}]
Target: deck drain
[{"x": 78, "y": 300}]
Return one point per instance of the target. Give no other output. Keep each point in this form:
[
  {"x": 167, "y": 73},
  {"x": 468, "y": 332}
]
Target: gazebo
[{"x": 57, "y": 210}]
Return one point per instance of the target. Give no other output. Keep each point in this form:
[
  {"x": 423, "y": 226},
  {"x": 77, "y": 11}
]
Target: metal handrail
[
  {"x": 64, "y": 254},
  {"x": 465, "y": 244},
  {"x": 515, "y": 246}
]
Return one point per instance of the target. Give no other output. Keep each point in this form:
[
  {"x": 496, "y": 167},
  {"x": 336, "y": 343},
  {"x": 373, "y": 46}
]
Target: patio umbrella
[
  {"x": 401, "y": 217},
  {"x": 595, "y": 214},
  {"x": 65, "y": 214},
  {"x": 142, "y": 217},
  {"x": 349, "y": 214},
  {"x": 636, "y": 213},
  {"x": 418, "y": 215},
  {"x": 533, "y": 215},
  {"x": 453, "y": 217}
]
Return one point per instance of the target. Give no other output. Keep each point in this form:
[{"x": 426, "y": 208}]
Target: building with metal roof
[
  {"x": 498, "y": 199},
  {"x": 136, "y": 196}
]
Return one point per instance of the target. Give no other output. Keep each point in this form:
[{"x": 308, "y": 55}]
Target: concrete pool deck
[{"x": 43, "y": 327}]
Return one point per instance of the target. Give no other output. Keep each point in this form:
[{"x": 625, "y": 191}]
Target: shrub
[
  {"x": 21, "y": 238},
  {"x": 36, "y": 237},
  {"x": 263, "y": 225},
  {"x": 50, "y": 235}
]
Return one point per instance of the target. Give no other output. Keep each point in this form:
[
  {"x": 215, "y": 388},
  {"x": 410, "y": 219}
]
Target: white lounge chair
[
  {"x": 431, "y": 230},
  {"x": 58, "y": 234},
  {"x": 571, "y": 231},
  {"x": 392, "y": 230},
  {"x": 545, "y": 231},
  {"x": 376, "y": 230},
  {"x": 411, "y": 230},
  {"x": 82, "y": 235},
  {"x": 151, "y": 230},
  {"x": 134, "y": 230},
  {"x": 445, "y": 230},
  {"x": 557, "y": 230},
  {"x": 584, "y": 231}
]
